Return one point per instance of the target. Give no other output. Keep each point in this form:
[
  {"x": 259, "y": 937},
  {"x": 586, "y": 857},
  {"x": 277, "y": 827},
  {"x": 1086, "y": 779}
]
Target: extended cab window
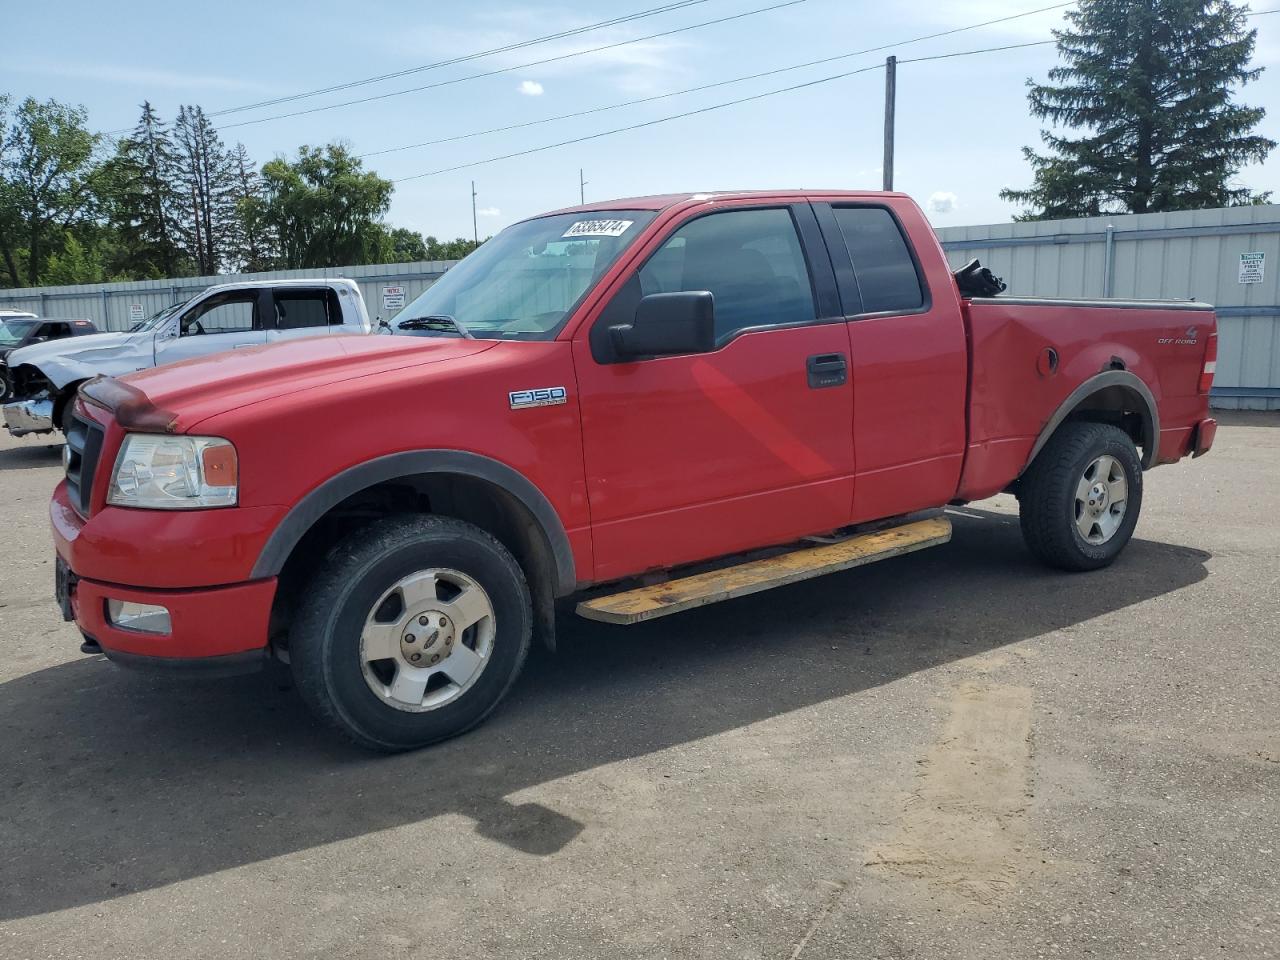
[
  {"x": 296, "y": 309},
  {"x": 882, "y": 260},
  {"x": 224, "y": 313},
  {"x": 750, "y": 260}
]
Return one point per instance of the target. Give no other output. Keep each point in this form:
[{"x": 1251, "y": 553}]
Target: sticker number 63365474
[{"x": 537, "y": 397}]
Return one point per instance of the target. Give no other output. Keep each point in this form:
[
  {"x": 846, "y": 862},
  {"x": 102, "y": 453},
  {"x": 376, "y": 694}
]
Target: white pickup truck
[{"x": 227, "y": 316}]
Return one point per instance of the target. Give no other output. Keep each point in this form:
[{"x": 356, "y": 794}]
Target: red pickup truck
[{"x": 609, "y": 392}]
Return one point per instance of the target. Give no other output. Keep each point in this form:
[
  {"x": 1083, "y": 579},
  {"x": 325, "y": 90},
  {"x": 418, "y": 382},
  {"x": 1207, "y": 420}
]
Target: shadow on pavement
[
  {"x": 30, "y": 457},
  {"x": 115, "y": 783}
]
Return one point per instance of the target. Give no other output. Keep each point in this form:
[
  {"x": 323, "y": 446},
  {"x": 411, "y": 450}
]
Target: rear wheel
[
  {"x": 1080, "y": 499},
  {"x": 412, "y": 633}
]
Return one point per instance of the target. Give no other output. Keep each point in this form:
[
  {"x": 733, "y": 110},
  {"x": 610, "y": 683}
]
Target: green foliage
[
  {"x": 450, "y": 249},
  {"x": 324, "y": 208},
  {"x": 74, "y": 264},
  {"x": 48, "y": 173},
  {"x": 1148, "y": 87},
  {"x": 143, "y": 201},
  {"x": 171, "y": 201}
]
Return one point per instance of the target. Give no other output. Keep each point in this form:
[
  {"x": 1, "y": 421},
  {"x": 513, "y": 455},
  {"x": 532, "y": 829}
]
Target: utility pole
[
  {"x": 582, "y": 188},
  {"x": 890, "y": 105},
  {"x": 475, "y": 225}
]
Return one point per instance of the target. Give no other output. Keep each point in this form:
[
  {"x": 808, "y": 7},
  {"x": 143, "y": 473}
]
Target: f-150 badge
[{"x": 537, "y": 397}]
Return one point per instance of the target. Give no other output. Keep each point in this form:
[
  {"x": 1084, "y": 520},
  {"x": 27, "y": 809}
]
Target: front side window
[
  {"x": 882, "y": 261},
  {"x": 227, "y": 313},
  {"x": 524, "y": 283},
  {"x": 750, "y": 260}
]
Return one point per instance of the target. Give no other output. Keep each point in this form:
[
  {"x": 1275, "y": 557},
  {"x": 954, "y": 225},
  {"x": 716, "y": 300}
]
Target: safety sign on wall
[
  {"x": 1252, "y": 267},
  {"x": 393, "y": 298},
  {"x": 135, "y": 312}
]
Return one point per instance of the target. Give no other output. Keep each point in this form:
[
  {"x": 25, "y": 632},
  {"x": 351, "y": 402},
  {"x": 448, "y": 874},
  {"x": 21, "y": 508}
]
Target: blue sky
[{"x": 961, "y": 123}]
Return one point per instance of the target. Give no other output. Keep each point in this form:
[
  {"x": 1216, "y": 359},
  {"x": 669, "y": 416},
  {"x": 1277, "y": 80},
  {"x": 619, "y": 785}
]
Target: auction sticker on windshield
[{"x": 598, "y": 228}]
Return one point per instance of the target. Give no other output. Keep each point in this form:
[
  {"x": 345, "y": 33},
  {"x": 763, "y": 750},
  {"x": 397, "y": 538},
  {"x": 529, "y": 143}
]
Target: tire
[
  {"x": 374, "y": 590},
  {"x": 1073, "y": 514},
  {"x": 6, "y": 387}
]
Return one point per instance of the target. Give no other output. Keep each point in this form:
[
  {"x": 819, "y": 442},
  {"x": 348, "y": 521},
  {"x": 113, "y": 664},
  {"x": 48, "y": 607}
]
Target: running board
[{"x": 674, "y": 596}]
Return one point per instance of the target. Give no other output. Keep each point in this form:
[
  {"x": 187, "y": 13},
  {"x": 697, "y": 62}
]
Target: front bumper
[
  {"x": 28, "y": 416},
  {"x": 209, "y": 625}
]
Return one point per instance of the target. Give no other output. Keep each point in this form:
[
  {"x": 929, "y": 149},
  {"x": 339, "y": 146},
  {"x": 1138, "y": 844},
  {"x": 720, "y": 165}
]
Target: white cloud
[
  {"x": 940, "y": 201},
  {"x": 530, "y": 88},
  {"x": 133, "y": 76},
  {"x": 639, "y": 68},
  {"x": 488, "y": 212}
]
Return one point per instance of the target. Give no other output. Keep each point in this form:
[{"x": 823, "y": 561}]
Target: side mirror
[
  {"x": 39, "y": 340},
  {"x": 667, "y": 324}
]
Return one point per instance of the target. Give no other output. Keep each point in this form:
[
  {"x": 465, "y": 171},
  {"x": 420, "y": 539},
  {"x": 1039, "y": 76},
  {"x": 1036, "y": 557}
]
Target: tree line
[{"x": 174, "y": 200}]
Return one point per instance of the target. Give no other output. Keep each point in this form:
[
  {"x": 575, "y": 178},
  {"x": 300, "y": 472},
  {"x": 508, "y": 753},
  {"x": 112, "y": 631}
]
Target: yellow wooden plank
[{"x": 661, "y": 599}]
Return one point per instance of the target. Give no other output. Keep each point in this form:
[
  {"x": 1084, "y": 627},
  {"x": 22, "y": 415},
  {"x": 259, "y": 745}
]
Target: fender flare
[
  {"x": 304, "y": 514},
  {"x": 1102, "y": 381}
]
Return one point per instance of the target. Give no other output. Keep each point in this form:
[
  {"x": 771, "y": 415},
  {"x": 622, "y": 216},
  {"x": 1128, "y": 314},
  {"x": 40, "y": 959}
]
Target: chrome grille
[{"x": 80, "y": 458}]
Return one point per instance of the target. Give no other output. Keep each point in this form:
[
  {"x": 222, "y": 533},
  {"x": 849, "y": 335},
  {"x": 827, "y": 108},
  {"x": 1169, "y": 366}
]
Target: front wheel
[
  {"x": 412, "y": 633},
  {"x": 1079, "y": 501}
]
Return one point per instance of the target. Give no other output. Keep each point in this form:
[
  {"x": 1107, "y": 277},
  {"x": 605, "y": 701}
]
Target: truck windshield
[
  {"x": 523, "y": 284},
  {"x": 12, "y": 331},
  {"x": 154, "y": 320}
]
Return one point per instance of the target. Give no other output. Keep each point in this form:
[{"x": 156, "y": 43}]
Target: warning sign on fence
[
  {"x": 1252, "y": 267},
  {"x": 393, "y": 298},
  {"x": 135, "y": 312}
]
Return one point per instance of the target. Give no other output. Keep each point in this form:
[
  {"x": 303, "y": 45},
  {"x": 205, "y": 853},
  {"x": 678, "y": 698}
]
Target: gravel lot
[{"x": 951, "y": 754}]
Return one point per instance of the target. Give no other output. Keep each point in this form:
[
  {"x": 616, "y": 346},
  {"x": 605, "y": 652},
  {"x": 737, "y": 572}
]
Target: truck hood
[
  {"x": 78, "y": 358},
  {"x": 193, "y": 390}
]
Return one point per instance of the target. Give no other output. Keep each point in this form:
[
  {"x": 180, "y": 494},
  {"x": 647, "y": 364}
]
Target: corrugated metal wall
[
  {"x": 1195, "y": 253},
  {"x": 107, "y": 304}
]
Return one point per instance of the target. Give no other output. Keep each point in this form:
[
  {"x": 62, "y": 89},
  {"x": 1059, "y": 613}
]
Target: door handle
[{"x": 827, "y": 370}]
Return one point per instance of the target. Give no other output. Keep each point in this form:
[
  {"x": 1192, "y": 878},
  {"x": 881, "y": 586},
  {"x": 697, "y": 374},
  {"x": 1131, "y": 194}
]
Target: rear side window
[
  {"x": 882, "y": 260},
  {"x": 750, "y": 260},
  {"x": 296, "y": 309}
]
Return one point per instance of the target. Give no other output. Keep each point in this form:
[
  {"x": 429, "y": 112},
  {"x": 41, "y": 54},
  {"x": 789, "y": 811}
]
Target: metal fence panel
[
  {"x": 1194, "y": 253},
  {"x": 108, "y": 304}
]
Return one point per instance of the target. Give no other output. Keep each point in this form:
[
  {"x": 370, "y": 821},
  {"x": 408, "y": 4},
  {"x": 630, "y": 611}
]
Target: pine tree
[
  {"x": 253, "y": 245},
  {"x": 208, "y": 185},
  {"x": 1149, "y": 85},
  {"x": 145, "y": 180}
]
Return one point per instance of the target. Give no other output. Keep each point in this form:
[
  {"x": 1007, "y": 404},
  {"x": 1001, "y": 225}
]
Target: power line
[
  {"x": 724, "y": 83},
  {"x": 519, "y": 45},
  {"x": 710, "y": 108},
  {"x": 522, "y": 66}
]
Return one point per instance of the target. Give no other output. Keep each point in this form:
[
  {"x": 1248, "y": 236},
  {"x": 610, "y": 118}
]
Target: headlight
[{"x": 160, "y": 472}]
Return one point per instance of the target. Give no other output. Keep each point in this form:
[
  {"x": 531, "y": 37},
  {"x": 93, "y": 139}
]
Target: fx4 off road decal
[{"x": 537, "y": 397}]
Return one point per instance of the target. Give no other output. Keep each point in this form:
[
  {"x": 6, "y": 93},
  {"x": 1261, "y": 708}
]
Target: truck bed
[{"x": 1014, "y": 387}]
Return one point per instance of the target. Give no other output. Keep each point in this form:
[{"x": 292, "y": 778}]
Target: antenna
[{"x": 475, "y": 225}]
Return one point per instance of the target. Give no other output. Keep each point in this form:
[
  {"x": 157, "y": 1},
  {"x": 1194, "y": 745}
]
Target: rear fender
[{"x": 1110, "y": 388}]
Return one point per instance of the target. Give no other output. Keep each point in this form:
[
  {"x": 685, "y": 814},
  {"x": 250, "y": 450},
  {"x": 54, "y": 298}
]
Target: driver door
[{"x": 224, "y": 321}]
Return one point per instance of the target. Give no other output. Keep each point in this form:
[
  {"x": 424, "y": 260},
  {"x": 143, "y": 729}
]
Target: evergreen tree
[
  {"x": 1149, "y": 85},
  {"x": 253, "y": 245},
  {"x": 145, "y": 180},
  {"x": 208, "y": 187}
]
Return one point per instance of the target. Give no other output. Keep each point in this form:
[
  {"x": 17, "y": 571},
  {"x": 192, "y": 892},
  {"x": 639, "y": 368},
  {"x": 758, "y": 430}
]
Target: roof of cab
[
  {"x": 301, "y": 282},
  {"x": 662, "y": 201}
]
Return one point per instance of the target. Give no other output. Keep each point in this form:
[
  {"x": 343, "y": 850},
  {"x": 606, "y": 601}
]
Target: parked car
[
  {"x": 605, "y": 392},
  {"x": 18, "y": 330},
  {"x": 227, "y": 316}
]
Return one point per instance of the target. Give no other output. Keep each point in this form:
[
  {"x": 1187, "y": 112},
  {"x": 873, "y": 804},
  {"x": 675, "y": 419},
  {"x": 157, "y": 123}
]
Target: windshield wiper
[{"x": 436, "y": 323}]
